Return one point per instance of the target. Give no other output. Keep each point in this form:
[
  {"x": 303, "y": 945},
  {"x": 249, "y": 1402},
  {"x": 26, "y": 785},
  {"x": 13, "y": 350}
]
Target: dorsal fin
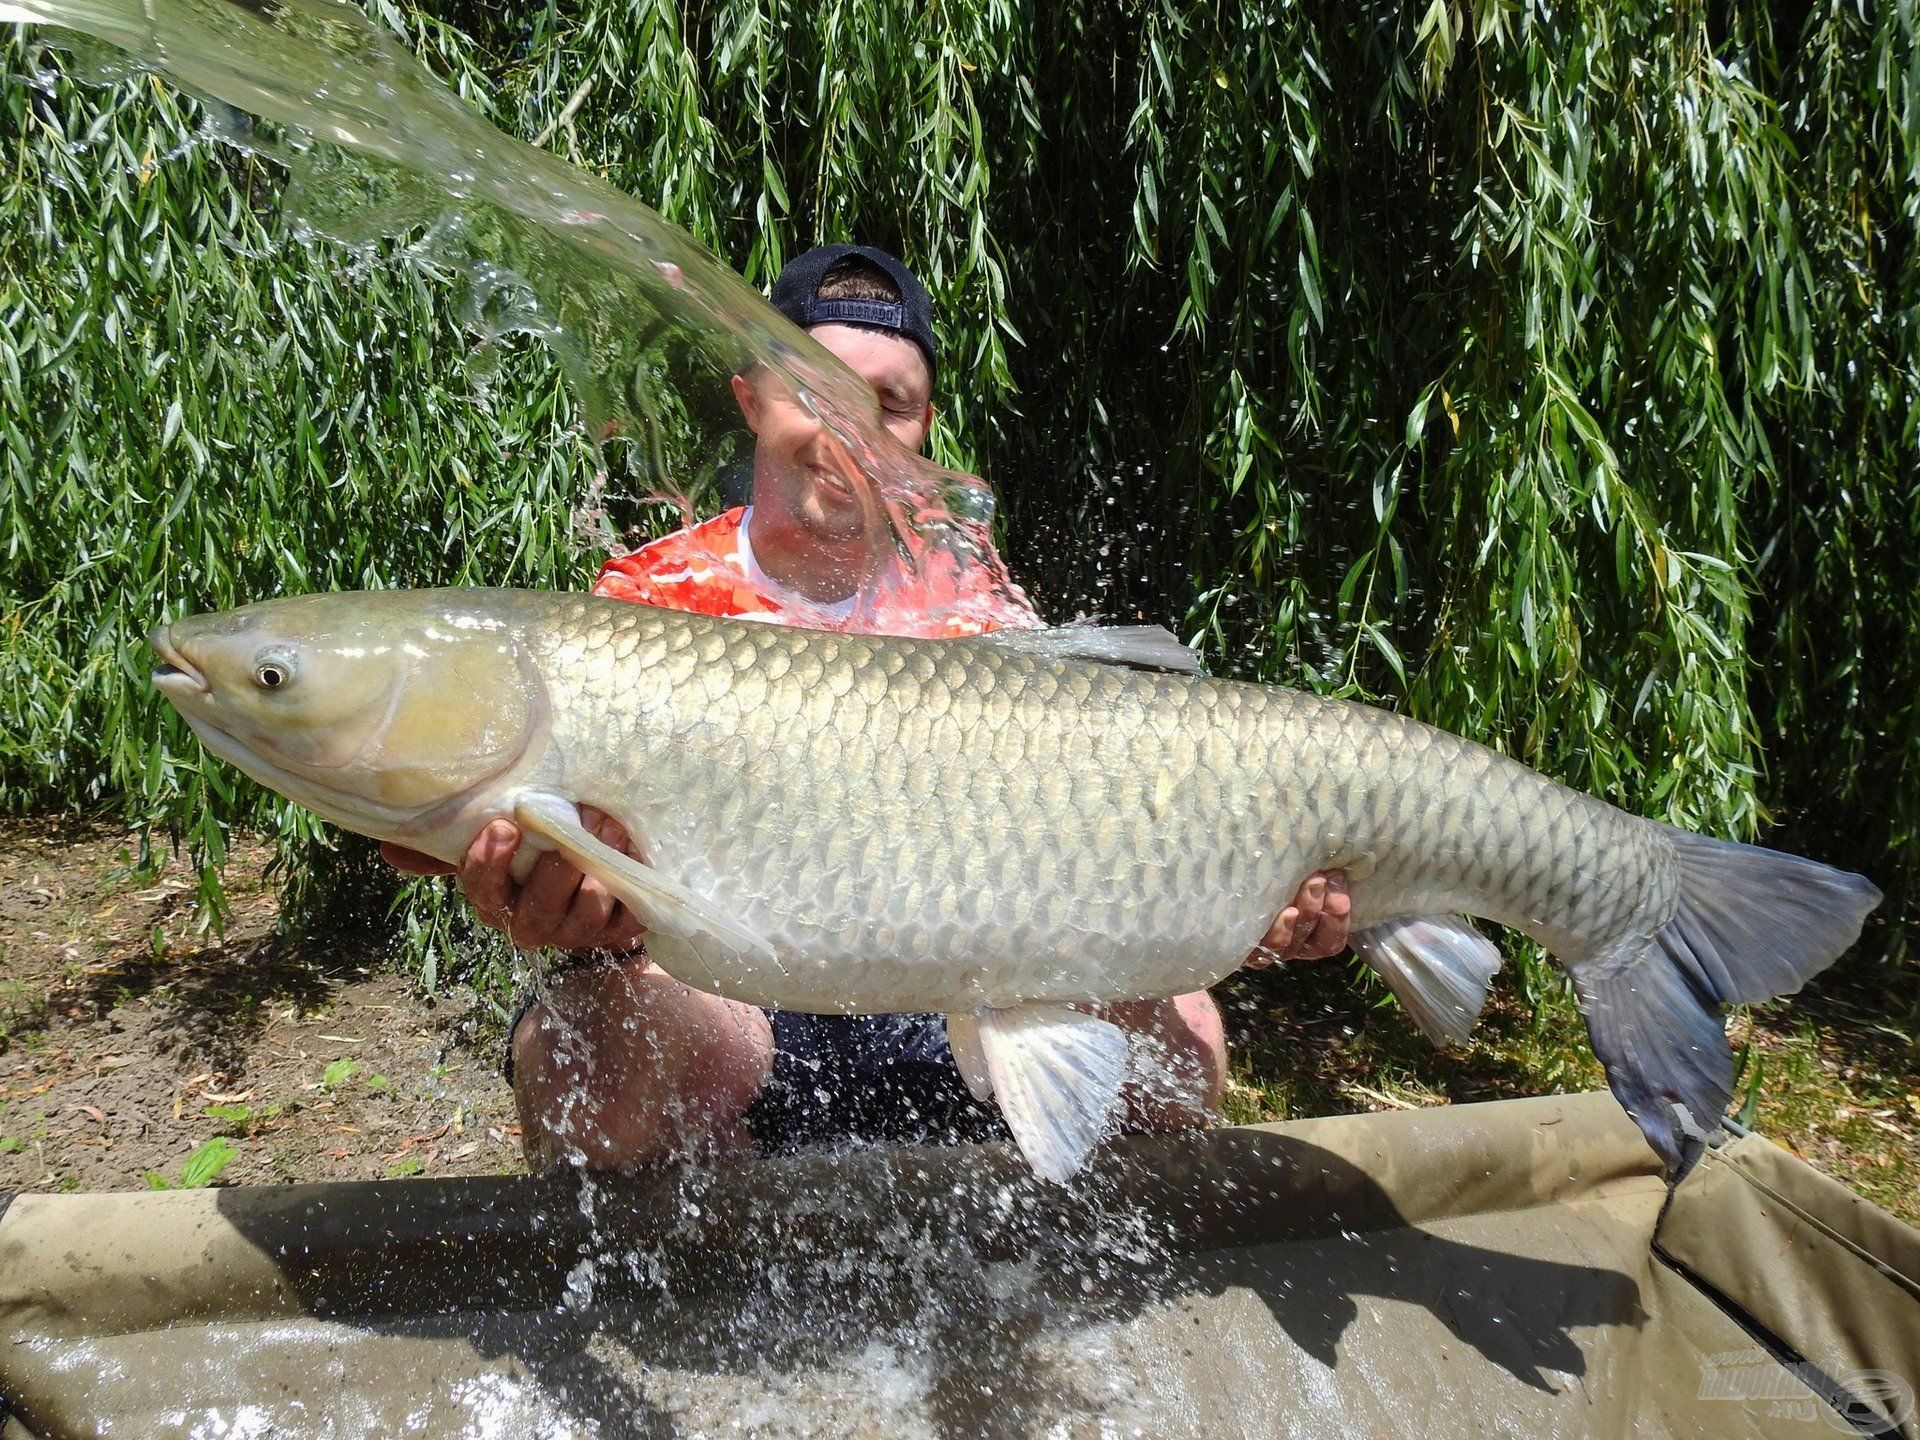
[{"x": 1137, "y": 647}]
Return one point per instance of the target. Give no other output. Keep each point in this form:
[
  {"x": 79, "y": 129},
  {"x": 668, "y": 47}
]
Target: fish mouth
[
  {"x": 342, "y": 807},
  {"x": 176, "y": 675}
]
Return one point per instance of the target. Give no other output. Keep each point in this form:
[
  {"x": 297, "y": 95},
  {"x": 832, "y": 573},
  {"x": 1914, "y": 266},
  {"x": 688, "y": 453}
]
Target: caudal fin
[{"x": 1749, "y": 924}]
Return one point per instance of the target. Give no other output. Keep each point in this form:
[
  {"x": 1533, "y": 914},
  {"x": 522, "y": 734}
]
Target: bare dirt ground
[{"x": 128, "y": 1041}]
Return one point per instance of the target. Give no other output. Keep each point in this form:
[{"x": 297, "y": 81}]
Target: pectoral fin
[
  {"x": 1439, "y": 966},
  {"x": 1057, "y": 1074},
  {"x": 963, "y": 1039},
  {"x": 660, "y": 903}
]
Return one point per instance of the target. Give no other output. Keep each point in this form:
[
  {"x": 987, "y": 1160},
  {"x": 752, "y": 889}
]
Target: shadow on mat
[{"x": 976, "y": 1292}]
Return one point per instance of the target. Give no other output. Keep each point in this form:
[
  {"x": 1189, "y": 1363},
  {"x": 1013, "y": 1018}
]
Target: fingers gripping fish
[{"x": 1000, "y": 828}]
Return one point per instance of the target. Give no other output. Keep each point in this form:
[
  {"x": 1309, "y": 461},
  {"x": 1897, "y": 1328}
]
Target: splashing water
[{"x": 646, "y": 325}]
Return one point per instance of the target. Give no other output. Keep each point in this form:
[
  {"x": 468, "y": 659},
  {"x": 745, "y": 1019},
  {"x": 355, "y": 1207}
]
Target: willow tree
[{"x": 1548, "y": 371}]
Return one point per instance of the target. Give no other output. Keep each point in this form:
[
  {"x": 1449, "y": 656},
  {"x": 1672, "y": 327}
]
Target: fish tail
[{"x": 1747, "y": 924}]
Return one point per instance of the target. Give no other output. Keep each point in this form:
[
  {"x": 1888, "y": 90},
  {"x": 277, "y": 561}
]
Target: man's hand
[
  {"x": 1313, "y": 927},
  {"x": 556, "y": 905}
]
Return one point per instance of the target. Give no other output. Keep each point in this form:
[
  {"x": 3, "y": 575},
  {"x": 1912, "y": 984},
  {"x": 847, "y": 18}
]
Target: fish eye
[{"x": 273, "y": 672}]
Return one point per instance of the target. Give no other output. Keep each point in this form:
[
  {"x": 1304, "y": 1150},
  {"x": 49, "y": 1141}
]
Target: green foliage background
[{"x": 1548, "y": 371}]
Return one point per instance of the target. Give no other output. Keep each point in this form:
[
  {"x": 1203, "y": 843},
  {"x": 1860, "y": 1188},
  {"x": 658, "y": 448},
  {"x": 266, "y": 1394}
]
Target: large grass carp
[{"x": 1001, "y": 827}]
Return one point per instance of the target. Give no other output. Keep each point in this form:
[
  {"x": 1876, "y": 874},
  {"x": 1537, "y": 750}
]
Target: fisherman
[{"x": 621, "y": 1064}]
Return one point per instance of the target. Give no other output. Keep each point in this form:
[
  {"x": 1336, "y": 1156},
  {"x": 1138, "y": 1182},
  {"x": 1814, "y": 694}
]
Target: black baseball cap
[{"x": 796, "y": 296}]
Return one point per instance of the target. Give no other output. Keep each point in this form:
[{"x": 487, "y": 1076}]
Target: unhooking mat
[{"x": 1479, "y": 1270}]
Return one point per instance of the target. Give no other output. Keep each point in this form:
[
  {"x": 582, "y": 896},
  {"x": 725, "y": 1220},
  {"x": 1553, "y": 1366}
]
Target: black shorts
[
  {"x": 839, "y": 1078},
  {"x": 867, "y": 1078}
]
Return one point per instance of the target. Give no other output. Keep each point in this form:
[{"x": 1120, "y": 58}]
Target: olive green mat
[{"x": 1497, "y": 1269}]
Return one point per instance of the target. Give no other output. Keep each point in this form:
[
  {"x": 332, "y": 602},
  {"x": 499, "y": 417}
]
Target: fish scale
[
  {"x": 1001, "y": 828},
  {"x": 1138, "y": 830}
]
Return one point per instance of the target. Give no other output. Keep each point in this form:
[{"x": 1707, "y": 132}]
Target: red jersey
[{"x": 709, "y": 569}]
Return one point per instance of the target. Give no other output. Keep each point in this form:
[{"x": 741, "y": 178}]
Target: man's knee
[
  {"x": 1205, "y": 1043},
  {"x": 622, "y": 1069},
  {"x": 1183, "y": 1078}
]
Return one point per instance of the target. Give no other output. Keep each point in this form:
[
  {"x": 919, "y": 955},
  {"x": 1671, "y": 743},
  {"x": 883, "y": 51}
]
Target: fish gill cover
[{"x": 645, "y": 323}]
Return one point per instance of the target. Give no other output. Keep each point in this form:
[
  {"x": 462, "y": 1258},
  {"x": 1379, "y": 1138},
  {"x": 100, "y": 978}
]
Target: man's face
[
  {"x": 798, "y": 467},
  {"x": 897, "y": 371}
]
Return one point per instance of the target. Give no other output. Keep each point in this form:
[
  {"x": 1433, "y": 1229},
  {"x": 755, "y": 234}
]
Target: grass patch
[
  {"x": 240, "y": 1121},
  {"x": 1841, "y": 1101},
  {"x": 1328, "y": 1040},
  {"x": 20, "y": 1009},
  {"x": 1822, "y": 1074}
]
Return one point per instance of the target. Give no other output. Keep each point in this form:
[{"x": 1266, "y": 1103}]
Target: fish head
[{"x": 380, "y": 711}]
